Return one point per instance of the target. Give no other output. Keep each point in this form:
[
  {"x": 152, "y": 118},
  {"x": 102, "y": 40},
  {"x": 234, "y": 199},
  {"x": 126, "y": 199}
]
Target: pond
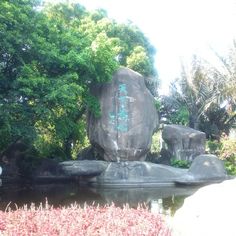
[{"x": 165, "y": 200}]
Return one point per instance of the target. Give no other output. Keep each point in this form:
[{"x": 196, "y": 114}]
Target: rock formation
[
  {"x": 205, "y": 168},
  {"x": 183, "y": 142},
  {"x": 129, "y": 117}
]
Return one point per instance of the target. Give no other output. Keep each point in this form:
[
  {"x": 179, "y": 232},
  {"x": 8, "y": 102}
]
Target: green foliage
[
  {"x": 136, "y": 51},
  {"x": 155, "y": 147},
  {"x": 226, "y": 150},
  {"x": 230, "y": 165},
  {"x": 93, "y": 105},
  {"x": 49, "y": 59},
  {"x": 173, "y": 112},
  {"x": 228, "y": 154},
  {"x": 180, "y": 163},
  {"x": 158, "y": 104},
  {"x": 216, "y": 121},
  {"x": 213, "y": 146},
  {"x": 139, "y": 61},
  {"x": 225, "y": 73},
  {"x": 181, "y": 116},
  {"x": 228, "y": 147},
  {"x": 193, "y": 93},
  {"x": 196, "y": 98}
]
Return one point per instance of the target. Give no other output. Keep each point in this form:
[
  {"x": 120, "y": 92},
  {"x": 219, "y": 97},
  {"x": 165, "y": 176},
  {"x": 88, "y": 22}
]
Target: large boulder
[
  {"x": 205, "y": 168},
  {"x": 136, "y": 174},
  {"x": 122, "y": 174},
  {"x": 210, "y": 211},
  {"x": 183, "y": 142},
  {"x": 128, "y": 120}
]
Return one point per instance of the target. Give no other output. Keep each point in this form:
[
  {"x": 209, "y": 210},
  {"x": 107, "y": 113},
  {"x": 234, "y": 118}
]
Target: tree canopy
[
  {"x": 49, "y": 58},
  {"x": 196, "y": 100}
]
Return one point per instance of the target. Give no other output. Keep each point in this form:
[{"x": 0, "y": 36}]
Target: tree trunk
[
  {"x": 194, "y": 121},
  {"x": 67, "y": 148}
]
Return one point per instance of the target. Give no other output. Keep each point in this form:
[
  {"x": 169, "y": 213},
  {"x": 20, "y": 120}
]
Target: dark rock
[
  {"x": 129, "y": 117},
  {"x": 48, "y": 171},
  {"x": 183, "y": 142},
  {"x": 136, "y": 173},
  {"x": 207, "y": 166},
  {"x": 48, "y": 167},
  {"x": 205, "y": 169},
  {"x": 89, "y": 153},
  {"x": 10, "y": 160},
  {"x": 83, "y": 168},
  {"x": 165, "y": 157}
]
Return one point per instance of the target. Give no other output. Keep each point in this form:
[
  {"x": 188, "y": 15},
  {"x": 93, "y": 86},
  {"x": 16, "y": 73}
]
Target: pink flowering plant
[
  {"x": 228, "y": 154},
  {"x": 75, "y": 220},
  {"x": 225, "y": 149}
]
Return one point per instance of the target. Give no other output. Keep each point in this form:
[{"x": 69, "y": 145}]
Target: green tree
[
  {"x": 47, "y": 67},
  {"x": 216, "y": 121},
  {"x": 225, "y": 73},
  {"x": 139, "y": 61},
  {"x": 136, "y": 50},
  {"x": 49, "y": 59},
  {"x": 194, "y": 91}
]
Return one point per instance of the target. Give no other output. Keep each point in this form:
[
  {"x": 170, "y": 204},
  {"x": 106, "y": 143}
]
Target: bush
[
  {"x": 180, "y": 163},
  {"x": 213, "y": 147},
  {"x": 155, "y": 147},
  {"x": 74, "y": 220},
  {"x": 228, "y": 154},
  {"x": 225, "y": 149}
]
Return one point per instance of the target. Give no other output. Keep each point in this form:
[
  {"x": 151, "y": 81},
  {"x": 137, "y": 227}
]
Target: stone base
[
  {"x": 204, "y": 169},
  {"x": 137, "y": 174}
]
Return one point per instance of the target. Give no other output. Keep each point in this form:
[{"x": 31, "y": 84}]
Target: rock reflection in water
[{"x": 66, "y": 194}]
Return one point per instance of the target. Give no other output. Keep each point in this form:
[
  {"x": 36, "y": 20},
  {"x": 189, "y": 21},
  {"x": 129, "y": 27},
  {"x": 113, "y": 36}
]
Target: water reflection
[
  {"x": 166, "y": 206},
  {"x": 164, "y": 200}
]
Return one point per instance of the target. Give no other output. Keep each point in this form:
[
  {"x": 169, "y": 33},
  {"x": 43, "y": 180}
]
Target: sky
[{"x": 178, "y": 29}]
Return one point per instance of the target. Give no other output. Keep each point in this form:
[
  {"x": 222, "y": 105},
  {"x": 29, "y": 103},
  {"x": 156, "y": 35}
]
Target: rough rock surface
[
  {"x": 137, "y": 173},
  {"x": 129, "y": 117},
  {"x": 205, "y": 168},
  {"x": 183, "y": 142},
  {"x": 83, "y": 168},
  {"x": 210, "y": 211}
]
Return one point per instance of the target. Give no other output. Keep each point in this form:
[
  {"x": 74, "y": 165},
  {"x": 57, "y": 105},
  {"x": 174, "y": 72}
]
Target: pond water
[{"x": 163, "y": 200}]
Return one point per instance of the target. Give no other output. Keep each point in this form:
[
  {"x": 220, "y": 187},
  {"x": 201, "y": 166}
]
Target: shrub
[
  {"x": 75, "y": 220},
  {"x": 213, "y": 147},
  {"x": 227, "y": 153},
  {"x": 155, "y": 147},
  {"x": 180, "y": 163}
]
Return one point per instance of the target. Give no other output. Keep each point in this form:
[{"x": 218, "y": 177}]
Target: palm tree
[{"x": 196, "y": 90}]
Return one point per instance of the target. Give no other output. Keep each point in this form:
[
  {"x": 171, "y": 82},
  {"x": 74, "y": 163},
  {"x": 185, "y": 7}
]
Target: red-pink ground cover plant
[{"x": 76, "y": 220}]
